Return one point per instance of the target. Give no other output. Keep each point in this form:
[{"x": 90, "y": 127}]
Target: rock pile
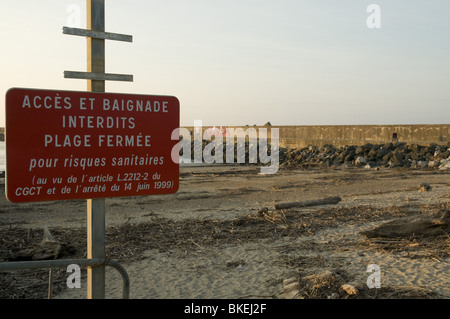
[{"x": 370, "y": 156}]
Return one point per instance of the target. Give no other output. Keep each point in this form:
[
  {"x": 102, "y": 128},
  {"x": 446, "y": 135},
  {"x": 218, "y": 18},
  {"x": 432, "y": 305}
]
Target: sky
[{"x": 246, "y": 62}]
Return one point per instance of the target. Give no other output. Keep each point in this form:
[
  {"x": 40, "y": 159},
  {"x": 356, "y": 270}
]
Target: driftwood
[
  {"x": 435, "y": 225},
  {"x": 49, "y": 248},
  {"x": 316, "y": 202}
]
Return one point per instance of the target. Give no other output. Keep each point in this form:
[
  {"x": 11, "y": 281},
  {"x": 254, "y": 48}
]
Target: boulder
[
  {"x": 381, "y": 153},
  {"x": 397, "y": 157},
  {"x": 359, "y": 150},
  {"x": 424, "y": 187},
  {"x": 360, "y": 161},
  {"x": 349, "y": 289},
  {"x": 445, "y": 164},
  {"x": 433, "y": 164},
  {"x": 422, "y": 164}
]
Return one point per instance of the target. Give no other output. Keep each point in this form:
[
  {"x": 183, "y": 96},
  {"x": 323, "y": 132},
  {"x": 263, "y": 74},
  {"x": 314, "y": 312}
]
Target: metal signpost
[
  {"x": 90, "y": 145},
  {"x": 95, "y": 207}
]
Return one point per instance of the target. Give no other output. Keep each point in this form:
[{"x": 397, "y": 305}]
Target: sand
[{"x": 209, "y": 241}]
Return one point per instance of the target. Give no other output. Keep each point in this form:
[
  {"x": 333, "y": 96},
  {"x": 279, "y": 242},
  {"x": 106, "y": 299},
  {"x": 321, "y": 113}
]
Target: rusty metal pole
[{"x": 96, "y": 207}]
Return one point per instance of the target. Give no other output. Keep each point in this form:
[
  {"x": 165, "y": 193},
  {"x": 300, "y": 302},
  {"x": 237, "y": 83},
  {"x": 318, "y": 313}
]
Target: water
[{"x": 2, "y": 157}]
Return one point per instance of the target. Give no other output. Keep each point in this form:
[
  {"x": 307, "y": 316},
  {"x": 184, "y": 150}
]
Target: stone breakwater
[
  {"x": 370, "y": 156},
  {"x": 394, "y": 154}
]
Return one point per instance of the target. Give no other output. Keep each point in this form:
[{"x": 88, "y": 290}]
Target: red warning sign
[{"x": 64, "y": 145}]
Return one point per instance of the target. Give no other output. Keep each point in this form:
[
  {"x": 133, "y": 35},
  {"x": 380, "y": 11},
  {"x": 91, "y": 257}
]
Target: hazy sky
[{"x": 238, "y": 62}]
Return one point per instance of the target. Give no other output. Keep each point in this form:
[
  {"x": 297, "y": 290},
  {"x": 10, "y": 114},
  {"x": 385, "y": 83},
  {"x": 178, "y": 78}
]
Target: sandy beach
[{"x": 221, "y": 237}]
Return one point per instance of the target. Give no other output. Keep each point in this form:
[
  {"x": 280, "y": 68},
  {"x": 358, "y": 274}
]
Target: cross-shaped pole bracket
[{"x": 103, "y": 36}]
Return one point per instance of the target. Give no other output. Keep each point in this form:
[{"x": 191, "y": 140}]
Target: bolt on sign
[{"x": 63, "y": 145}]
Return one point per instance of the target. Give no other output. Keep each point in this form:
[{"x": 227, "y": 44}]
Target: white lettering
[
  {"x": 374, "y": 280},
  {"x": 67, "y": 140},
  {"x": 185, "y": 142},
  {"x": 374, "y": 20},
  {"x": 36, "y": 105},
  {"x": 26, "y": 102},
  {"x": 28, "y": 191},
  {"x": 74, "y": 19},
  {"x": 124, "y": 141},
  {"x": 135, "y": 105},
  {"x": 45, "y": 102},
  {"x": 49, "y": 102},
  {"x": 74, "y": 280},
  {"x": 82, "y": 103}
]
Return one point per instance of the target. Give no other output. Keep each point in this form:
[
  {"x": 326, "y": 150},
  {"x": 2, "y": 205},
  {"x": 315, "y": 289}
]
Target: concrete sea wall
[{"x": 340, "y": 135}]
